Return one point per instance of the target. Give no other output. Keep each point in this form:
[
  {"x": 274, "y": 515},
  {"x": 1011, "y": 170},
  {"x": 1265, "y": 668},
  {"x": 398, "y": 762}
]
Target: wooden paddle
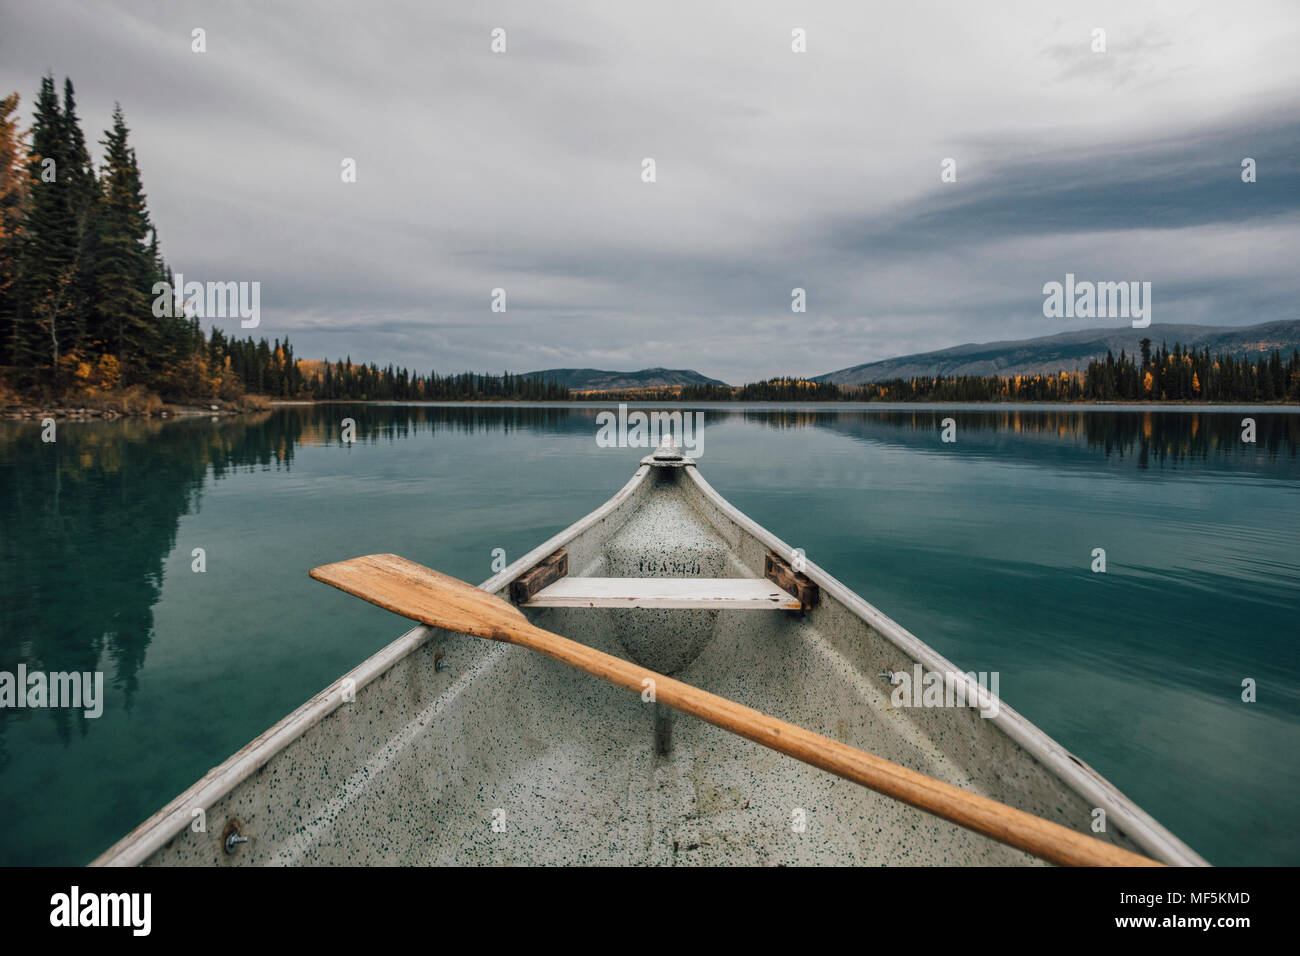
[{"x": 424, "y": 595}]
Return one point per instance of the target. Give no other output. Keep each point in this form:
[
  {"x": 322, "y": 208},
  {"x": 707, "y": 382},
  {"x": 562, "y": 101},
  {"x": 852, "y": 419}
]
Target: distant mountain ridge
[
  {"x": 1071, "y": 351},
  {"x": 594, "y": 379}
]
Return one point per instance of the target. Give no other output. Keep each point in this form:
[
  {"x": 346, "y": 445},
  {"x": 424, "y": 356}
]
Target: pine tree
[
  {"x": 125, "y": 267},
  {"x": 81, "y": 193},
  {"x": 176, "y": 342},
  {"x": 47, "y": 255}
]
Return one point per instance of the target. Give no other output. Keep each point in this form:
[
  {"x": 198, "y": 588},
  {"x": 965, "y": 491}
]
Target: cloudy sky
[{"x": 775, "y": 169}]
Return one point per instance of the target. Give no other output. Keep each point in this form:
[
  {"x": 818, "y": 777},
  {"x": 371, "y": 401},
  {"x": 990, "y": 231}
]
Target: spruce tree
[
  {"x": 81, "y": 193},
  {"x": 47, "y": 255},
  {"x": 125, "y": 266}
]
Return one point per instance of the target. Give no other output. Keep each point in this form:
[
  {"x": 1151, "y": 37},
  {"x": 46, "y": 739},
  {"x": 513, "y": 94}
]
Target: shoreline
[
  {"x": 86, "y": 413},
  {"x": 83, "y": 412},
  {"x": 605, "y": 403}
]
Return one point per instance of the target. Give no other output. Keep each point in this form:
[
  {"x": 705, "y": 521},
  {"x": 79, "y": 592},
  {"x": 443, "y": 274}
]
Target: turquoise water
[{"x": 981, "y": 547}]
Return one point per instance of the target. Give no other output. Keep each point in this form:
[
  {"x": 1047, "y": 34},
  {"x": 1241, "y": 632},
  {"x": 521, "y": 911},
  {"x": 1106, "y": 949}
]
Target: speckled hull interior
[{"x": 512, "y": 758}]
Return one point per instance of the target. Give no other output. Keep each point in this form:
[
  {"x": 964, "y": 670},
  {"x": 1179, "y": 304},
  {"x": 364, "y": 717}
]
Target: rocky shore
[{"x": 91, "y": 413}]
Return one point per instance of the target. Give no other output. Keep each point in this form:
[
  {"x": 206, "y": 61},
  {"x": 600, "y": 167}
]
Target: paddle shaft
[
  {"x": 423, "y": 594},
  {"x": 1044, "y": 839}
]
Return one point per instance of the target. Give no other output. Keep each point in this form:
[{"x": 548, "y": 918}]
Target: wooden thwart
[
  {"x": 425, "y": 595},
  {"x": 717, "y": 593}
]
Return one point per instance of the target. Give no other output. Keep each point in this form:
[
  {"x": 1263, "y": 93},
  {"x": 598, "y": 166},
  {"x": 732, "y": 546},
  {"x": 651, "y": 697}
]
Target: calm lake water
[{"x": 981, "y": 547}]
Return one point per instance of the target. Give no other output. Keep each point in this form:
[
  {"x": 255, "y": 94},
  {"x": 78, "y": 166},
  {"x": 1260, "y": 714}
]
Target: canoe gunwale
[
  {"x": 164, "y": 825},
  {"x": 1136, "y": 823},
  {"x": 503, "y": 578},
  {"x": 155, "y": 832}
]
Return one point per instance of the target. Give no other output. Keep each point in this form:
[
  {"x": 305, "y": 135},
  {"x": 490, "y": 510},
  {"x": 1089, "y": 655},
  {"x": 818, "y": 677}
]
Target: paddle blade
[{"x": 424, "y": 595}]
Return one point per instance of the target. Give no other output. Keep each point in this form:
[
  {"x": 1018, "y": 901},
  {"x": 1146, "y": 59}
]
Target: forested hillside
[{"x": 82, "y": 273}]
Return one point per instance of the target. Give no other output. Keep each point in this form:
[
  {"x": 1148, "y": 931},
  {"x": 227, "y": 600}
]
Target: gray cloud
[{"x": 775, "y": 169}]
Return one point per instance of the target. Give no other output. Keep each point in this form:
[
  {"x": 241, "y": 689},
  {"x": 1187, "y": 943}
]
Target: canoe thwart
[
  {"x": 718, "y": 593},
  {"x": 547, "y": 571},
  {"x": 777, "y": 569}
]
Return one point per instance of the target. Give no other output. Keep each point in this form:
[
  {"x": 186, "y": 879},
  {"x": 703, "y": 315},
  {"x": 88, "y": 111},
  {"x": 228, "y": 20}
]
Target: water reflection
[
  {"x": 1162, "y": 439},
  {"x": 1147, "y": 437},
  {"x": 89, "y": 520}
]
